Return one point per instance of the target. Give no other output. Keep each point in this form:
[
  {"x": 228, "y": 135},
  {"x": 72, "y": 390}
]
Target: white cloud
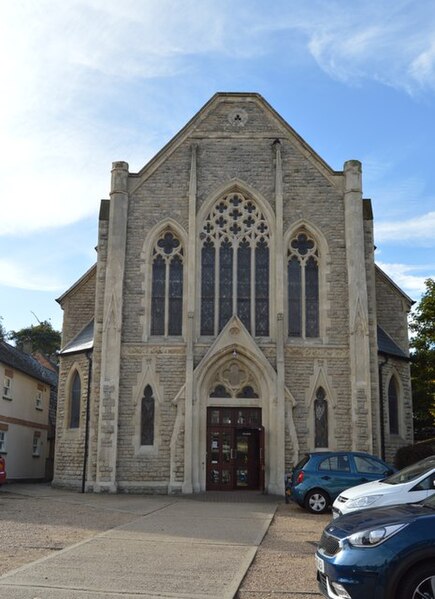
[
  {"x": 420, "y": 229},
  {"x": 24, "y": 277},
  {"x": 401, "y": 274}
]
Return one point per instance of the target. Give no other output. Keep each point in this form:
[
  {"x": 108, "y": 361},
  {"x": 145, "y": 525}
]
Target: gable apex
[{"x": 240, "y": 100}]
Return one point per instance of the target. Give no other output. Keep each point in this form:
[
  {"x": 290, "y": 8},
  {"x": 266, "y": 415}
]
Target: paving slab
[{"x": 182, "y": 549}]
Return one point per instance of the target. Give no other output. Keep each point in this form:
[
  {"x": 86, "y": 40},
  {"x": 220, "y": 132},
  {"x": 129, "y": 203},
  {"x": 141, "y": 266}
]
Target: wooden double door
[{"x": 235, "y": 449}]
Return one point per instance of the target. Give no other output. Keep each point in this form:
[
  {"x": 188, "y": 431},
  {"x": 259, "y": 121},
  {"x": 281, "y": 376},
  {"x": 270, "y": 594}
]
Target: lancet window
[
  {"x": 167, "y": 286},
  {"x": 303, "y": 287},
  {"x": 147, "y": 417},
  {"x": 235, "y": 259},
  {"x": 320, "y": 419},
  {"x": 393, "y": 407},
  {"x": 75, "y": 401}
]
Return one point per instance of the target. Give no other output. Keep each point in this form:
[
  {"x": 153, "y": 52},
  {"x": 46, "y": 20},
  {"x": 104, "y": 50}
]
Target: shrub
[{"x": 409, "y": 454}]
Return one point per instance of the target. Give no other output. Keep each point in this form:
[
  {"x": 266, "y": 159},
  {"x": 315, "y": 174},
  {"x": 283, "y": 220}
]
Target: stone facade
[{"x": 238, "y": 147}]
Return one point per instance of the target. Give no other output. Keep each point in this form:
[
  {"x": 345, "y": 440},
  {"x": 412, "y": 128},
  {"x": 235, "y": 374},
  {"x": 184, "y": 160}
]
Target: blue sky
[{"x": 88, "y": 82}]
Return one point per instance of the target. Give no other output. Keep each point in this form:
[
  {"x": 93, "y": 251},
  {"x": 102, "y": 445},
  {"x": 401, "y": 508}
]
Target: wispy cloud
[
  {"x": 20, "y": 276},
  {"x": 402, "y": 274},
  {"x": 420, "y": 229}
]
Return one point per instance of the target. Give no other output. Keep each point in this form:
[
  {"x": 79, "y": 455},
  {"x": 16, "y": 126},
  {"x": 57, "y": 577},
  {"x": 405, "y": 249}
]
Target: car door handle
[{"x": 325, "y": 477}]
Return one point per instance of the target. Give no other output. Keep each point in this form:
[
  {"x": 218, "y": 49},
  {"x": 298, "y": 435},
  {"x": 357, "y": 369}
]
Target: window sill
[
  {"x": 7, "y": 398},
  {"x": 39, "y": 409},
  {"x": 3, "y": 452},
  {"x": 35, "y": 455}
]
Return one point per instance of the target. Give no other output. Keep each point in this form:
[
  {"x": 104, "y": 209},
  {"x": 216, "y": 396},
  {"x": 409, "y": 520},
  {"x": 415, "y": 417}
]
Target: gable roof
[
  {"x": 83, "y": 279},
  {"x": 387, "y": 346},
  {"x": 19, "y": 360},
  {"x": 394, "y": 286},
  {"x": 189, "y": 129},
  {"x": 83, "y": 341}
]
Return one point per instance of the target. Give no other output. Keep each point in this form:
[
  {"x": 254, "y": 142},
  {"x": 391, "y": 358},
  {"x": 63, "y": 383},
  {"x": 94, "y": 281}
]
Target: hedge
[{"x": 409, "y": 454}]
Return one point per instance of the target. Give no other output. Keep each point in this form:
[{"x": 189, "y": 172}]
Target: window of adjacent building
[
  {"x": 7, "y": 387},
  {"x": 235, "y": 266},
  {"x": 75, "y": 401},
  {"x": 3, "y": 435},
  {"x": 147, "y": 417},
  {"x": 320, "y": 419},
  {"x": 38, "y": 400},
  {"x": 393, "y": 407},
  {"x": 36, "y": 446},
  {"x": 167, "y": 286},
  {"x": 303, "y": 287}
]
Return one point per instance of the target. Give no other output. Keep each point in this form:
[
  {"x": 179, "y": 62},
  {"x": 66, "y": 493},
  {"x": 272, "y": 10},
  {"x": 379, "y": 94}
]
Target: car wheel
[
  {"x": 317, "y": 501},
  {"x": 419, "y": 583}
]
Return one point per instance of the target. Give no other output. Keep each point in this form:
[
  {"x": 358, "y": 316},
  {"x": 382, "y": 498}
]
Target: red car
[{"x": 2, "y": 470}]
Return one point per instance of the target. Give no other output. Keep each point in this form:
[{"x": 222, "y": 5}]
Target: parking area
[{"x": 39, "y": 523}]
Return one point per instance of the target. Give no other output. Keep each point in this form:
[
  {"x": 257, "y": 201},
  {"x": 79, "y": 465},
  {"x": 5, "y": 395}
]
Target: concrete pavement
[{"x": 176, "y": 547}]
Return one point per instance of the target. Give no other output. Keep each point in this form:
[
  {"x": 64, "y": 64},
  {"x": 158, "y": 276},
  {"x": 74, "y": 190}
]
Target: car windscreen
[
  {"x": 429, "y": 502},
  {"x": 409, "y": 473},
  {"x": 302, "y": 462}
]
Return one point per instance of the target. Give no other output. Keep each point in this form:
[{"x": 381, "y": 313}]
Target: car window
[
  {"x": 369, "y": 465},
  {"x": 302, "y": 462},
  {"x": 409, "y": 473},
  {"x": 427, "y": 484},
  {"x": 336, "y": 462}
]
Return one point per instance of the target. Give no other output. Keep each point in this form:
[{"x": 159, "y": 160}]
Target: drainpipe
[
  {"x": 381, "y": 406},
  {"x": 88, "y": 398}
]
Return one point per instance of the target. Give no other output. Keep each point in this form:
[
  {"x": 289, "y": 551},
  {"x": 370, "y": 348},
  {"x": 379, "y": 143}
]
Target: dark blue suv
[
  {"x": 383, "y": 553},
  {"x": 319, "y": 477}
]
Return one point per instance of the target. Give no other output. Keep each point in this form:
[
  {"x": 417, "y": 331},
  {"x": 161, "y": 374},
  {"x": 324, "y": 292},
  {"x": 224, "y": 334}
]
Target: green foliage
[
  {"x": 410, "y": 454},
  {"x": 2, "y": 330},
  {"x": 423, "y": 362},
  {"x": 41, "y": 337}
]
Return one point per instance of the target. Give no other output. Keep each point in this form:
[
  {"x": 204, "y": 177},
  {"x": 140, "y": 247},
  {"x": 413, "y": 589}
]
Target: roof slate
[
  {"x": 15, "y": 358},
  {"x": 387, "y": 346}
]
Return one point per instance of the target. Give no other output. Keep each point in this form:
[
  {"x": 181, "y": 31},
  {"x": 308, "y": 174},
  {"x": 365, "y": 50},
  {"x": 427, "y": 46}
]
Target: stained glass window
[
  {"x": 320, "y": 419},
  {"x": 75, "y": 401},
  {"x": 147, "y": 417},
  {"x": 393, "y": 407},
  {"x": 175, "y": 296},
  {"x": 167, "y": 286},
  {"x": 262, "y": 288},
  {"x": 235, "y": 241},
  {"x": 207, "y": 288},
  {"x": 225, "y": 283},
  {"x": 244, "y": 283},
  {"x": 303, "y": 287}
]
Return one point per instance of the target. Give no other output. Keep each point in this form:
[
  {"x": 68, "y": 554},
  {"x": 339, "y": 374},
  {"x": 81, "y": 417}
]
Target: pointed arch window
[
  {"x": 393, "y": 406},
  {"x": 235, "y": 243},
  {"x": 167, "y": 286},
  {"x": 303, "y": 287},
  {"x": 320, "y": 419},
  {"x": 147, "y": 417},
  {"x": 75, "y": 401}
]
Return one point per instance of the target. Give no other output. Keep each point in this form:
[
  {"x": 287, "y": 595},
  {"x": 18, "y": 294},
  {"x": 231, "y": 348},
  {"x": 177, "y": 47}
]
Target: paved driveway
[{"x": 163, "y": 547}]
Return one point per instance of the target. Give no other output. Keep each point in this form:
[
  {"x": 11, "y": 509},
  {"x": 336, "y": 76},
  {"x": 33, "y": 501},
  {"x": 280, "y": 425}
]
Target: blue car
[
  {"x": 319, "y": 477},
  {"x": 382, "y": 553}
]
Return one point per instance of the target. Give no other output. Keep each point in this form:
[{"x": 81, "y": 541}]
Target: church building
[{"x": 234, "y": 320}]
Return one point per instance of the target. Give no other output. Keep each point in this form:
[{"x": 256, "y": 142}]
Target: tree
[
  {"x": 2, "y": 330},
  {"x": 423, "y": 363},
  {"x": 41, "y": 337}
]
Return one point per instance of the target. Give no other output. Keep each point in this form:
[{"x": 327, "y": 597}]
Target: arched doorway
[{"x": 235, "y": 449}]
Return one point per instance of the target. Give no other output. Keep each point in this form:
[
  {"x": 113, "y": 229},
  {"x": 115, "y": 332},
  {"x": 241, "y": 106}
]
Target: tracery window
[
  {"x": 147, "y": 417},
  {"x": 75, "y": 401},
  {"x": 320, "y": 419},
  {"x": 393, "y": 406},
  {"x": 303, "y": 287},
  {"x": 235, "y": 258},
  {"x": 167, "y": 286}
]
